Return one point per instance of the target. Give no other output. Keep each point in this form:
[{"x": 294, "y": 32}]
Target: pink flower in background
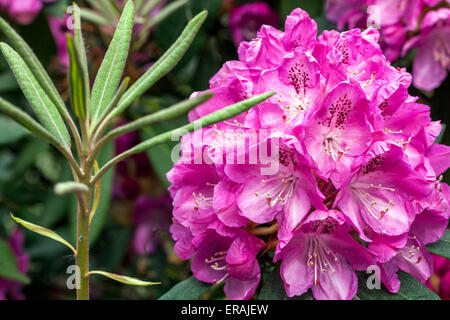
[
  {"x": 247, "y": 19},
  {"x": 59, "y": 29},
  {"x": 11, "y": 289},
  {"x": 432, "y": 61},
  {"x": 346, "y": 13},
  {"x": 23, "y": 11},
  {"x": 440, "y": 281},
  {"x": 128, "y": 173},
  {"x": 404, "y": 25},
  {"x": 150, "y": 217},
  {"x": 355, "y": 177}
]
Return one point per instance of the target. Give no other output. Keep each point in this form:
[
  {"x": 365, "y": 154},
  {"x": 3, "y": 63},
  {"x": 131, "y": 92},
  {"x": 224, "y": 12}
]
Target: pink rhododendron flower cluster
[
  {"x": 23, "y": 11},
  {"x": 357, "y": 170},
  {"x": 423, "y": 25},
  {"x": 247, "y": 19},
  {"x": 11, "y": 289}
]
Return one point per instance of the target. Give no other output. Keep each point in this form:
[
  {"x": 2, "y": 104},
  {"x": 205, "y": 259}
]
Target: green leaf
[
  {"x": 442, "y": 246},
  {"x": 166, "y": 63},
  {"x": 43, "y": 232},
  {"x": 108, "y": 7},
  {"x": 148, "y": 6},
  {"x": 101, "y": 214},
  {"x": 93, "y": 17},
  {"x": 172, "y": 112},
  {"x": 26, "y": 121},
  {"x": 111, "y": 69},
  {"x": 124, "y": 279},
  {"x": 165, "y": 12},
  {"x": 169, "y": 29},
  {"x": 155, "y": 20},
  {"x": 189, "y": 289},
  {"x": 76, "y": 84},
  {"x": 97, "y": 194},
  {"x": 81, "y": 57},
  {"x": 410, "y": 289},
  {"x": 112, "y": 104},
  {"x": 273, "y": 288},
  {"x": 36, "y": 96},
  {"x": 70, "y": 186},
  {"x": 11, "y": 131},
  {"x": 35, "y": 66},
  {"x": 8, "y": 265}
]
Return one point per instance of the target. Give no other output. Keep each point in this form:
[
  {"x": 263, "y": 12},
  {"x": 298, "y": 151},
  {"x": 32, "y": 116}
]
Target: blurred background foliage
[{"x": 29, "y": 168}]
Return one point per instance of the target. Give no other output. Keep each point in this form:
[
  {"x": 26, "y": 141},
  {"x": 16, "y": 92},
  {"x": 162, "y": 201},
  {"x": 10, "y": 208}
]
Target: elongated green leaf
[
  {"x": 149, "y": 6},
  {"x": 138, "y": 4},
  {"x": 8, "y": 265},
  {"x": 111, "y": 69},
  {"x": 97, "y": 5},
  {"x": 44, "y": 232},
  {"x": 113, "y": 103},
  {"x": 109, "y": 8},
  {"x": 172, "y": 112},
  {"x": 148, "y": 24},
  {"x": 80, "y": 50},
  {"x": 215, "y": 117},
  {"x": 189, "y": 289},
  {"x": 76, "y": 83},
  {"x": 166, "y": 63},
  {"x": 124, "y": 279},
  {"x": 35, "y": 66},
  {"x": 273, "y": 288},
  {"x": 93, "y": 17},
  {"x": 97, "y": 194},
  {"x": 165, "y": 12},
  {"x": 70, "y": 186},
  {"x": 25, "y": 120},
  {"x": 441, "y": 247},
  {"x": 36, "y": 96},
  {"x": 410, "y": 289}
]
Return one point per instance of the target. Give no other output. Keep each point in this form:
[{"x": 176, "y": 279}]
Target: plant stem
[
  {"x": 83, "y": 225},
  {"x": 82, "y": 259}
]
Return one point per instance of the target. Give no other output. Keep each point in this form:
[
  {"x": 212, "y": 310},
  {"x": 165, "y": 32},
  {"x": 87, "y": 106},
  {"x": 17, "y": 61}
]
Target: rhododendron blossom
[
  {"x": 404, "y": 25},
  {"x": 357, "y": 180}
]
